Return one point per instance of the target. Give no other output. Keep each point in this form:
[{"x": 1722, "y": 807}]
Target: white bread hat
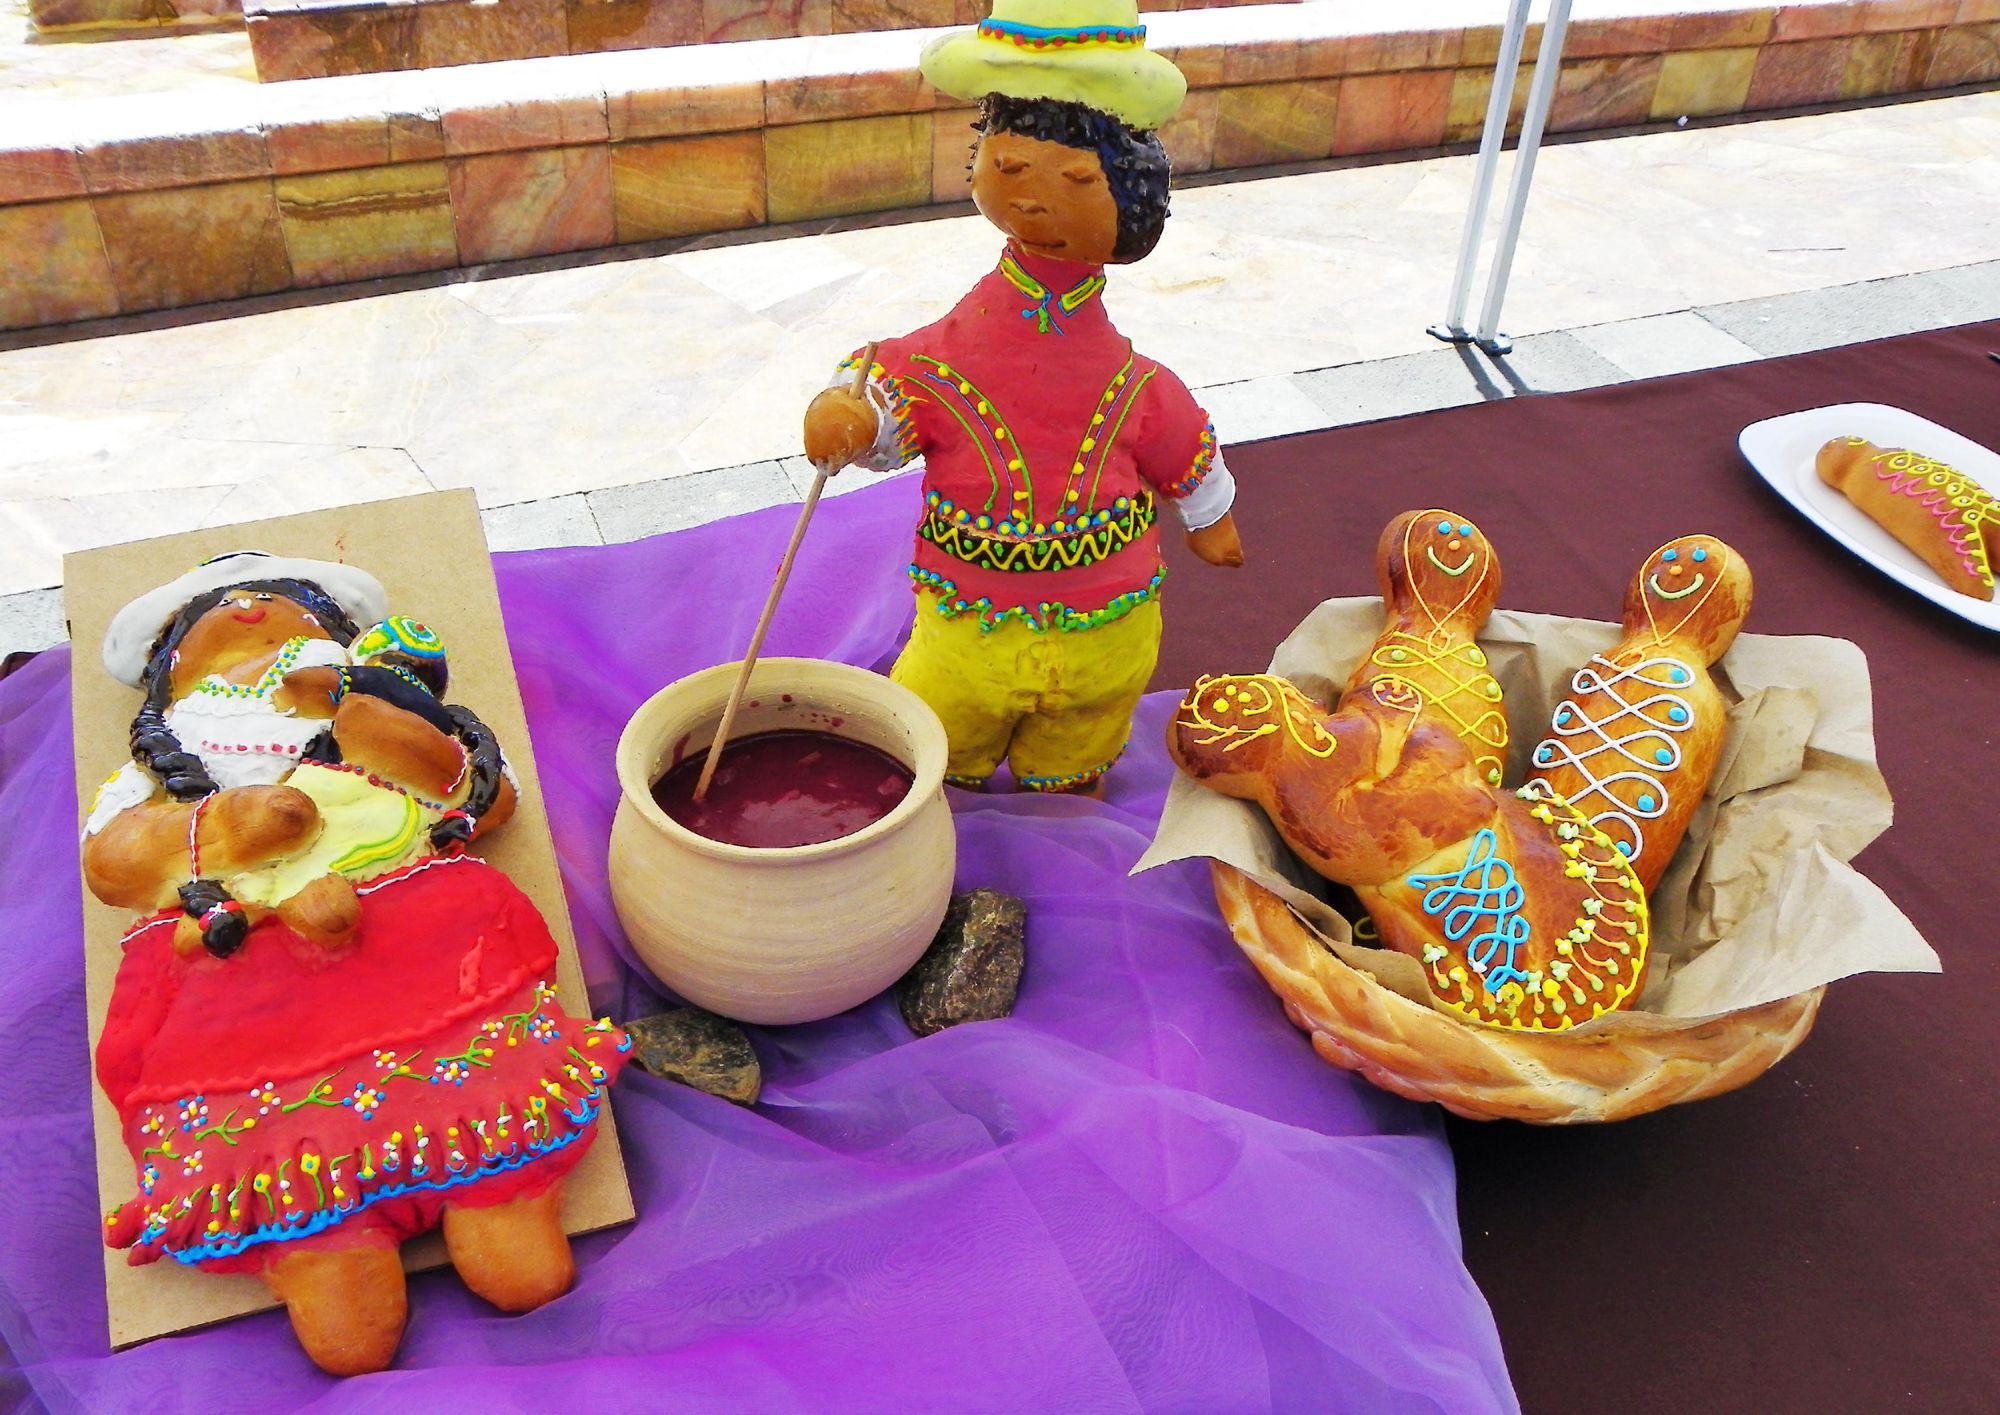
[{"x": 135, "y": 627}]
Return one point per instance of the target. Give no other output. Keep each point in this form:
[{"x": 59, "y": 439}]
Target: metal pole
[
  {"x": 1541, "y": 96},
  {"x": 1491, "y": 139}
]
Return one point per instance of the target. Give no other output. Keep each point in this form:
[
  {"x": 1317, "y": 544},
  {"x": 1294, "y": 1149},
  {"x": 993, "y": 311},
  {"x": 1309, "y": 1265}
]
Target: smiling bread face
[
  {"x": 1694, "y": 590},
  {"x": 1439, "y": 580},
  {"x": 1436, "y": 566},
  {"x": 249, "y": 625}
]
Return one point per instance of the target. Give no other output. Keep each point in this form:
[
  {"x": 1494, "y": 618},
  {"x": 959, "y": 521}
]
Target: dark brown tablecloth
[{"x": 1827, "y": 1239}]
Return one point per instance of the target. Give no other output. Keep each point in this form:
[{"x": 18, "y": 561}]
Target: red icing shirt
[{"x": 1047, "y": 445}]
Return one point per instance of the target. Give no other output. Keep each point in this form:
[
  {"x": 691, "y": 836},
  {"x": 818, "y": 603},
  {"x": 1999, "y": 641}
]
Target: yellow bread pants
[{"x": 1056, "y": 706}]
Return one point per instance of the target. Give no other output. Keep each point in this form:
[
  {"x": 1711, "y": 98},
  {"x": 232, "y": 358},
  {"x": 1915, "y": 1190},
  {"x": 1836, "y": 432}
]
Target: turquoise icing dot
[
  {"x": 1465, "y": 530},
  {"x": 1646, "y": 803},
  {"x": 1542, "y": 755},
  {"x": 1701, "y": 555},
  {"x": 1663, "y": 756},
  {"x": 1624, "y": 847},
  {"x": 1677, "y": 714},
  {"x": 1677, "y": 675},
  {"x": 1444, "y": 528},
  {"x": 1670, "y": 555}
]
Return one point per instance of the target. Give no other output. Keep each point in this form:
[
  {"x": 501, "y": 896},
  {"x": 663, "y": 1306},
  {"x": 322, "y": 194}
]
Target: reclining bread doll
[{"x": 331, "y": 1029}]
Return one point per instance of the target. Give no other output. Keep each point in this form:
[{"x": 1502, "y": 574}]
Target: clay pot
[{"x": 782, "y": 935}]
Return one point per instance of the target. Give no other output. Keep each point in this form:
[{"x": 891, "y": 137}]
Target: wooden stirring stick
[{"x": 820, "y": 475}]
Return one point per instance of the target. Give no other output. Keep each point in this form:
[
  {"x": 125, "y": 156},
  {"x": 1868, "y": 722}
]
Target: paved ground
[{"x": 610, "y": 397}]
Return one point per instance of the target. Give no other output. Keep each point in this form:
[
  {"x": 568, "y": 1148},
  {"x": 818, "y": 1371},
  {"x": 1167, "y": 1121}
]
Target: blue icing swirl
[{"x": 1481, "y": 894}]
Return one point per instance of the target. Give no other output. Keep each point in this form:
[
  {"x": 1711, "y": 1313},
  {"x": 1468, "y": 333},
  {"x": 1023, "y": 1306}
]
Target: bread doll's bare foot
[
  {"x": 347, "y": 1305},
  {"x": 325, "y": 912},
  {"x": 515, "y": 1254}
]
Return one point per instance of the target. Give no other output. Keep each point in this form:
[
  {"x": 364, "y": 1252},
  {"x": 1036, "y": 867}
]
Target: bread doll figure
[
  {"x": 331, "y": 1028},
  {"x": 1049, "y": 444}
]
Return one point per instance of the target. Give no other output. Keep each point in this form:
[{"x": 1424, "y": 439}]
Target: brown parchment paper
[
  {"x": 1759, "y": 903},
  {"x": 429, "y": 552}
]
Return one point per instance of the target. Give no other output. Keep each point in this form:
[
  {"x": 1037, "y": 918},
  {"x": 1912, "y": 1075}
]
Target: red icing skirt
[{"x": 288, "y": 1091}]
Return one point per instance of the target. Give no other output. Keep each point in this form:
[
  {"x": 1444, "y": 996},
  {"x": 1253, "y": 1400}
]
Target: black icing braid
[
  {"x": 483, "y": 756},
  {"x": 154, "y": 745},
  {"x": 159, "y": 751},
  {"x": 223, "y": 931}
]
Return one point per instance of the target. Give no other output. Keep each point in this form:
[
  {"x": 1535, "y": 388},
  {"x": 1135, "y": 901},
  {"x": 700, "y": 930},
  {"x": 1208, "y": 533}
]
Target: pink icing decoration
[{"x": 1912, "y": 481}]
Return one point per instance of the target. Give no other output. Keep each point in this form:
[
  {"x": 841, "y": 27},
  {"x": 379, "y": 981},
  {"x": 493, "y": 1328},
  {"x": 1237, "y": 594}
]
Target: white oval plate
[{"x": 1782, "y": 450}]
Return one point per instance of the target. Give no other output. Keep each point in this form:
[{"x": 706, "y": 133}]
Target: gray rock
[
  {"x": 972, "y": 970},
  {"x": 698, "y": 1049}
]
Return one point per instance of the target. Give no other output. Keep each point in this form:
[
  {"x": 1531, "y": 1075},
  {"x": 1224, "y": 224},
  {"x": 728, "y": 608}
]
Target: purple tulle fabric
[{"x": 1141, "y": 1192}]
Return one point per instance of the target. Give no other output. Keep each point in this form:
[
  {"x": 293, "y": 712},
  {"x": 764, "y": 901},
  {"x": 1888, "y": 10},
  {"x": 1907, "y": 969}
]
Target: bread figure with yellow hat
[{"x": 1049, "y": 445}]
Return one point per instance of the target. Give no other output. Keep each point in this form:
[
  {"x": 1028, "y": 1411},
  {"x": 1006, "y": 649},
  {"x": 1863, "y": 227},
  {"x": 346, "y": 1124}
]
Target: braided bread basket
[{"x": 1486, "y": 1073}]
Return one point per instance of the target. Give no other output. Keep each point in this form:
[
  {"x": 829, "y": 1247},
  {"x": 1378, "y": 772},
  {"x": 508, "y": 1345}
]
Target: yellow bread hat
[{"x": 1091, "y": 52}]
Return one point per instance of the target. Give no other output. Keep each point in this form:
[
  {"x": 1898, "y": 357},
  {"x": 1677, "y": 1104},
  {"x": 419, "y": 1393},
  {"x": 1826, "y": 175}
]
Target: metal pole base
[{"x": 1450, "y": 334}]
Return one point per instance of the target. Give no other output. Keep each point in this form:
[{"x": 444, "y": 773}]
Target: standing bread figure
[
  {"x": 1051, "y": 446},
  {"x": 1440, "y": 579},
  {"x": 1947, "y": 518},
  {"x": 1634, "y": 742}
]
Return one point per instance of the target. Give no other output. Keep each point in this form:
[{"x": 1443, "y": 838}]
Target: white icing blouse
[{"x": 241, "y": 736}]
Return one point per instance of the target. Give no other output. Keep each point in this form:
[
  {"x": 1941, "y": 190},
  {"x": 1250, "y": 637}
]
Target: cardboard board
[{"x": 403, "y": 543}]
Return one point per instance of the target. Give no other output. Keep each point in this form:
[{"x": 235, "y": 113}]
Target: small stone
[
  {"x": 698, "y": 1049},
  {"x": 972, "y": 970}
]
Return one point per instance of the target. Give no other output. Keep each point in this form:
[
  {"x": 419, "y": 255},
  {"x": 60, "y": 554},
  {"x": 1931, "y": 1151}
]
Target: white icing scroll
[{"x": 1636, "y": 744}]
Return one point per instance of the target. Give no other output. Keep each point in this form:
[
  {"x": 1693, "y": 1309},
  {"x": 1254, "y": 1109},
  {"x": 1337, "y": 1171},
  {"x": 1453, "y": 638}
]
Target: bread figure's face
[
  {"x": 247, "y": 626},
  {"x": 1050, "y": 198},
  {"x": 1242, "y": 725},
  {"x": 1694, "y": 588},
  {"x": 1437, "y": 562}
]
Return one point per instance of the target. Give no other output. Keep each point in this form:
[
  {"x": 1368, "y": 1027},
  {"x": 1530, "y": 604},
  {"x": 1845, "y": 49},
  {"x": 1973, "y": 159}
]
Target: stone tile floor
[{"x": 624, "y": 394}]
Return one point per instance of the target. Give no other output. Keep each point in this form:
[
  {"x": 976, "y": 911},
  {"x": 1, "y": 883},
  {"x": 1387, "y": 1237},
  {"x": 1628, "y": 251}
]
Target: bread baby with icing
[
  {"x": 1440, "y": 580},
  {"x": 1944, "y": 516},
  {"x": 1523, "y": 914},
  {"x": 1634, "y": 741}
]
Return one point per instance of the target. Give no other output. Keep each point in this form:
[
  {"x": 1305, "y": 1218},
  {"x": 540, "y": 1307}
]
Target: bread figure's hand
[
  {"x": 840, "y": 428},
  {"x": 309, "y": 692},
  {"x": 1218, "y": 544}
]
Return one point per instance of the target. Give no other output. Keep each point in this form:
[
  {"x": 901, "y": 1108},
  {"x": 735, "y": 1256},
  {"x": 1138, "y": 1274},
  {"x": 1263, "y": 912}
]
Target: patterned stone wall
[
  {"x": 304, "y": 39},
  {"x": 119, "y": 206}
]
